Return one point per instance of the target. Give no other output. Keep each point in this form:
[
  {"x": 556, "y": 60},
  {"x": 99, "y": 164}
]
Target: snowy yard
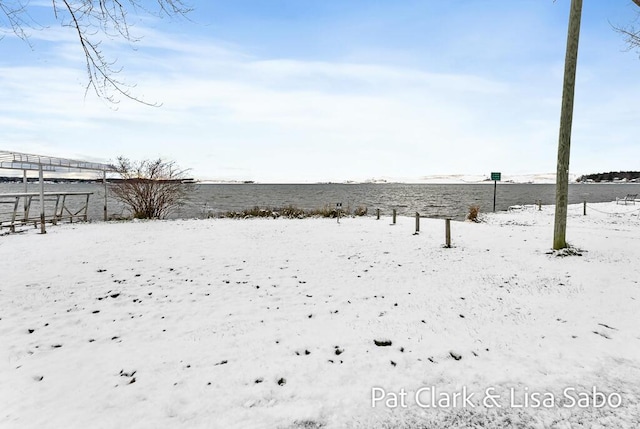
[{"x": 313, "y": 324}]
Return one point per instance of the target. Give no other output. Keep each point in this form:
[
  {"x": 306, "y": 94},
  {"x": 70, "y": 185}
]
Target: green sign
[{"x": 495, "y": 176}]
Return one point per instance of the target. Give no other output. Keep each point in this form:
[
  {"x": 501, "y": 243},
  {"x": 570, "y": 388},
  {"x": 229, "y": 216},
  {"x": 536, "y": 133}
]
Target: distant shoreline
[{"x": 426, "y": 181}]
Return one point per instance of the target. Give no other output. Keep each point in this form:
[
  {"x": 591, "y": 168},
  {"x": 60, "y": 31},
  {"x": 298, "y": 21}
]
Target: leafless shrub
[
  {"x": 360, "y": 211},
  {"x": 150, "y": 189},
  {"x": 293, "y": 212},
  {"x": 473, "y": 213}
]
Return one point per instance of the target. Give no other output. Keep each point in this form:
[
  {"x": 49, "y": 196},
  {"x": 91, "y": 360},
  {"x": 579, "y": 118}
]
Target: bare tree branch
[
  {"x": 93, "y": 21},
  {"x": 17, "y": 18},
  {"x": 632, "y": 35},
  {"x": 630, "y": 32}
]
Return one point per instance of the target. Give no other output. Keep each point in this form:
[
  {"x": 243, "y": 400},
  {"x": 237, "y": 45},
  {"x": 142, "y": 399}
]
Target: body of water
[{"x": 430, "y": 200}]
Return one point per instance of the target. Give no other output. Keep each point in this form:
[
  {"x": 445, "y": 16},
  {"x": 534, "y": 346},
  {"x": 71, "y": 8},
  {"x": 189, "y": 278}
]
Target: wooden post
[
  {"x": 104, "y": 182},
  {"x": 566, "y": 119},
  {"x": 539, "y": 205},
  {"x": 447, "y": 233},
  {"x": 394, "y": 216},
  {"x": 43, "y": 229},
  {"x": 417, "y": 222},
  {"x": 13, "y": 217},
  {"x": 55, "y": 212},
  {"x": 86, "y": 207},
  {"x": 584, "y": 208},
  {"x": 26, "y": 215},
  {"x": 26, "y": 189},
  {"x": 377, "y": 214}
]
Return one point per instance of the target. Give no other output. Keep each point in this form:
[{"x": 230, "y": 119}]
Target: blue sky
[{"x": 333, "y": 90}]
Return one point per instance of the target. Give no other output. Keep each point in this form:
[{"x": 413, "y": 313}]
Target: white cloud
[
  {"x": 229, "y": 114},
  {"x": 352, "y": 117}
]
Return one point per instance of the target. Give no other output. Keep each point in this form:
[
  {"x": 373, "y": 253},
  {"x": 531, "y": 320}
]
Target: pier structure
[{"x": 20, "y": 203}]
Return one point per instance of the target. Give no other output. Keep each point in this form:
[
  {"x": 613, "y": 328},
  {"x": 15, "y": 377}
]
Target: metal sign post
[{"x": 495, "y": 176}]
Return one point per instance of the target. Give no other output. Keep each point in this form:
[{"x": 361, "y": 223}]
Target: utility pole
[{"x": 566, "y": 118}]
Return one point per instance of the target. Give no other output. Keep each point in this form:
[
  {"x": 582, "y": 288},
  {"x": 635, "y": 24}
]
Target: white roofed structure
[
  {"x": 10, "y": 160},
  {"x": 25, "y": 161}
]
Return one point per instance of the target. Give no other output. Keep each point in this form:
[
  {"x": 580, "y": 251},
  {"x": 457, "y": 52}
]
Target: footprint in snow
[
  {"x": 602, "y": 334},
  {"x": 455, "y": 355}
]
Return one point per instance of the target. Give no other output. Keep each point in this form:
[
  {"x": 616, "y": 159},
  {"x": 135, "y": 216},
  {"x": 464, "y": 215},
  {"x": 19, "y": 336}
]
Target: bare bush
[
  {"x": 473, "y": 213},
  {"x": 293, "y": 212},
  {"x": 150, "y": 189},
  {"x": 360, "y": 211}
]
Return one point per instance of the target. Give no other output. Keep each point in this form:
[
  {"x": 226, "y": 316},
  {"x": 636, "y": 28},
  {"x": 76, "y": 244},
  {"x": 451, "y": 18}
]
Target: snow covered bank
[
  {"x": 547, "y": 178},
  {"x": 287, "y": 323}
]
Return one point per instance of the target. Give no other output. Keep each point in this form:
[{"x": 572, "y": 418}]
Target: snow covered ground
[{"x": 308, "y": 323}]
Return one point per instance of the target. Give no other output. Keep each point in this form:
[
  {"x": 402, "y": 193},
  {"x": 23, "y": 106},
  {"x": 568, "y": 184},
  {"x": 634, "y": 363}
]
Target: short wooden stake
[
  {"x": 394, "y": 216},
  {"x": 417, "y": 222},
  {"x": 447, "y": 232},
  {"x": 539, "y": 205},
  {"x": 584, "y": 208},
  {"x": 377, "y": 214}
]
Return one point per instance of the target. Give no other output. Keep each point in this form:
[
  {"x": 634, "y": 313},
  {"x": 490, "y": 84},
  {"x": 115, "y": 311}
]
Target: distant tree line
[{"x": 610, "y": 176}]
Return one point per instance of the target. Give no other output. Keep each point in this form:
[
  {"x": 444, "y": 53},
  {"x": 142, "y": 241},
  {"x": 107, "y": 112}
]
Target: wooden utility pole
[{"x": 566, "y": 118}]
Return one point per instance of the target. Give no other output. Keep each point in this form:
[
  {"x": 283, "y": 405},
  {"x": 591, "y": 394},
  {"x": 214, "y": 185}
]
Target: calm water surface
[{"x": 429, "y": 200}]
